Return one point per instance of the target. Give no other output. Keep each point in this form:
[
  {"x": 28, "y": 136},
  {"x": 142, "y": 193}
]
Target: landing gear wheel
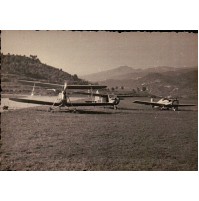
[
  {"x": 115, "y": 107},
  {"x": 175, "y": 109},
  {"x": 50, "y": 109}
]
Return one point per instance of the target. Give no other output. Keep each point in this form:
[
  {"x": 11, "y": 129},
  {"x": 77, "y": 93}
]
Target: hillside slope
[
  {"x": 31, "y": 68},
  {"x": 115, "y": 73},
  {"x": 125, "y": 72},
  {"x": 15, "y": 67},
  {"x": 182, "y": 82}
]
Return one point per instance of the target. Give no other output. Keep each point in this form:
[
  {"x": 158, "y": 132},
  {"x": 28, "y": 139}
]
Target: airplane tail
[
  {"x": 33, "y": 89},
  {"x": 65, "y": 85},
  {"x": 98, "y": 99}
]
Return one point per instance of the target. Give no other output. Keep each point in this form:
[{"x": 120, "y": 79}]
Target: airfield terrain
[{"x": 134, "y": 137}]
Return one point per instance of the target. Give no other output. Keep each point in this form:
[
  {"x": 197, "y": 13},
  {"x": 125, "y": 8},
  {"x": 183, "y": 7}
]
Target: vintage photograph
[{"x": 99, "y": 101}]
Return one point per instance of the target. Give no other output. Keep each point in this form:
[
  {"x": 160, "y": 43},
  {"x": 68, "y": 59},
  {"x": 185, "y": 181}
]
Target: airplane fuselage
[{"x": 166, "y": 103}]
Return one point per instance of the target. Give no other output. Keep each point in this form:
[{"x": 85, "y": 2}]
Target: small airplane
[
  {"x": 164, "y": 103},
  {"x": 100, "y": 97},
  {"x": 63, "y": 99}
]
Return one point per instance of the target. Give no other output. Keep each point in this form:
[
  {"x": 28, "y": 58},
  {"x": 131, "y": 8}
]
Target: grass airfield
[{"x": 134, "y": 137}]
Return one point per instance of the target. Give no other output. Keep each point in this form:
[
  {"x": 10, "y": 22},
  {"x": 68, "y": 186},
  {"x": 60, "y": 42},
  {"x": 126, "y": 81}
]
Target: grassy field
[{"x": 134, "y": 137}]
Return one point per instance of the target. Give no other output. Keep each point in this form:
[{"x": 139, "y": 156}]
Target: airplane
[
  {"x": 63, "y": 99},
  {"x": 100, "y": 97},
  {"x": 164, "y": 103}
]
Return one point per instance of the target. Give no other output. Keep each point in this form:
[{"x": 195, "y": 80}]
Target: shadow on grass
[
  {"x": 79, "y": 111},
  {"x": 139, "y": 109}
]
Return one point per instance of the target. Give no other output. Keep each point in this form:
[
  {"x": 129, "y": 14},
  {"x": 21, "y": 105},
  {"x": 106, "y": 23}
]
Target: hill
[
  {"x": 178, "y": 82},
  {"x": 110, "y": 74},
  {"x": 125, "y": 72},
  {"x": 31, "y": 68},
  {"x": 14, "y": 67}
]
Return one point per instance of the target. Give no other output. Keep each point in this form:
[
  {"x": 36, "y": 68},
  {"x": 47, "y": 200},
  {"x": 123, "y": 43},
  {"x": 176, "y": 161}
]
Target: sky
[{"x": 87, "y": 52}]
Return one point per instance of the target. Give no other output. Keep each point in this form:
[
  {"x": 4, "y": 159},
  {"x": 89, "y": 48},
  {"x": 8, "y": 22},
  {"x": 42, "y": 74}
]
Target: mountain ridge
[
  {"x": 126, "y": 72},
  {"x": 181, "y": 83}
]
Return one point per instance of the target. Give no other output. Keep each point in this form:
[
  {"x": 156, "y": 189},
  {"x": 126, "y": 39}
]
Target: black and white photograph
[{"x": 99, "y": 100}]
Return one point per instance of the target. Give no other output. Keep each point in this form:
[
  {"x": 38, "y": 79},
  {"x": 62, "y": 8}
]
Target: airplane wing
[
  {"x": 73, "y": 104},
  {"x": 68, "y": 104},
  {"x": 104, "y": 95},
  {"x": 41, "y": 84},
  {"x": 185, "y": 105},
  {"x": 148, "y": 103},
  {"x": 161, "y": 104},
  {"x": 39, "y": 102},
  {"x": 89, "y": 94},
  {"x": 86, "y": 86},
  {"x": 126, "y": 96},
  {"x": 50, "y": 85}
]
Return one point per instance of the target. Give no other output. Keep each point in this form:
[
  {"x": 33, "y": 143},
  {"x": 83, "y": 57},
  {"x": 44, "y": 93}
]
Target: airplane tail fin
[
  {"x": 65, "y": 85},
  {"x": 33, "y": 89},
  {"x": 97, "y": 99}
]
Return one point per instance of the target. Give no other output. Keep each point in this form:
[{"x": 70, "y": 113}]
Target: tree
[
  {"x": 34, "y": 57},
  {"x": 143, "y": 88},
  {"x": 133, "y": 90},
  {"x": 75, "y": 77}
]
